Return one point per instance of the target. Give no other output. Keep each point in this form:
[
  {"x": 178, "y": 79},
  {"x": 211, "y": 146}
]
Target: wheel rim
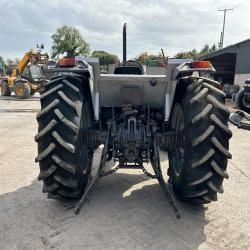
[
  {"x": 178, "y": 124},
  {"x": 20, "y": 90}
]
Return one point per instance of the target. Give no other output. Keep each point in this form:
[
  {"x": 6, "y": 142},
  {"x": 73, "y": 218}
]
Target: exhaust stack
[{"x": 124, "y": 44}]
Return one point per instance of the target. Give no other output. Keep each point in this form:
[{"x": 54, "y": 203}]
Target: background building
[{"x": 232, "y": 63}]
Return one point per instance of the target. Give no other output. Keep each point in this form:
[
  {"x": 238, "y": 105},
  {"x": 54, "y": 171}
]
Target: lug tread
[
  {"x": 197, "y": 194},
  {"x": 69, "y": 147},
  {"x": 194, "y": 85},
  {"x": 221, "y": 148},
  {"x": 54, "y": 196},
  {"x": 203, "y": 113},
  {"x": 202, "y": 179},
  {"x": 200, "y": 95},
  {"x": 70, "y": 85},
  {"x": 210, "y": 199},
  {"x": 218, "y": 105},
  {"x": 203, "y": 137},
  {"x": 45, "y": 174},
  {"x": 47, "y": 109},
  {"x": 70, "y": 183},
  {"x": 63, "y": 164},
  {"x": 45, "y": 152},
  {"x": 65, "y": 121},
  {"x": 51, "y": 91},
  {"x": 56, "y": 79},
  {"x": 217, "y": 122},
  {"x": 204, "y": 159},
  {"x": 211, "y": 82},
  {"x": 46, "y": 130},
  {"x": 50, "y": 188},
  {"x": 214, "y": 188},
  {"x": 218, "y": 170},
  {"x": 214, "y": 89},
  {"x": 67, "y": 100},
  {"x": 76, "y": 194}
]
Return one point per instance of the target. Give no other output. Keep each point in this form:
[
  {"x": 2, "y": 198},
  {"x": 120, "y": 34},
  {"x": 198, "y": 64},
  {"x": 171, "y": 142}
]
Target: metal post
[{"x": 223, "y": 29}]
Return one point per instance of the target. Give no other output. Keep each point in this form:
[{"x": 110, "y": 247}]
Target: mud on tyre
[
  {"x": 198, "y": 168},
  {"x": 65, "y": 163}
]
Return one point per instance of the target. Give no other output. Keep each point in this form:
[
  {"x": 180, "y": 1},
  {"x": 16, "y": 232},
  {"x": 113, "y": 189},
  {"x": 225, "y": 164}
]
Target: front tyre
[{"x": 198, "y": 168}]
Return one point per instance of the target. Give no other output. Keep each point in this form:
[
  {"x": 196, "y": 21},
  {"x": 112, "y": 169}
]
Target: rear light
[
  {"x": 201, "y": 64},
  {"x": 67, "y": 62}
]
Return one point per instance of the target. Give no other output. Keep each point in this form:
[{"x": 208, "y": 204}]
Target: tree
[
  {"x": 2, "y": 66},
  {"x": 153, "y": 60},
  {"x": 187, "y": 54},
  {"x": 69, "y": 40},
  {"x": 142, "y": 57},
  {"x": 204, "y": 50},
  {"x": 213, "y": 48},
  {"x": 194, "y": 54},
  {"x": 9, "y": 62},
  {"x": 105, "y": 58},
  {"x": 17, "y": 60},
  {"x": 8, "y": 65},
  {"x": 2, "y": 62}
]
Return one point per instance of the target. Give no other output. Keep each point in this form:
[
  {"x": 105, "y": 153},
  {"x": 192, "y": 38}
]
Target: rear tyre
[
  {"x": 22, "y": 90},
  {"x": 239, "y": 101},
  {"x": 5, "y": 89},
  {"x": 65, "y": 162},
  {"x": 198, "y": 169}
]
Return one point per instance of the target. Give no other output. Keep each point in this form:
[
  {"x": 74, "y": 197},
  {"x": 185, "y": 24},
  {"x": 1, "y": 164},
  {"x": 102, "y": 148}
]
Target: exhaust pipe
[{"x": 124, "y": 44}]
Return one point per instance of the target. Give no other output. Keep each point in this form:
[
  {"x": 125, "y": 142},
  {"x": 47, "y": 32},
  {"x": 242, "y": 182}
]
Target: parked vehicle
[{"x": 27, "y": 77}]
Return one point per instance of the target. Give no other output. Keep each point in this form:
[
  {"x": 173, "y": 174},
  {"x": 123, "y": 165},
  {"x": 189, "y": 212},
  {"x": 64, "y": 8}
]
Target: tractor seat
[{"x": 130, "y": 67}]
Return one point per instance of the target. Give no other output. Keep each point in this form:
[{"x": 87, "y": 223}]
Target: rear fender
[{"x": 88, "y": 67}]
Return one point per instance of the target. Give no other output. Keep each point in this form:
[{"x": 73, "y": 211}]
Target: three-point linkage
[{"x": 155, "y": 162}]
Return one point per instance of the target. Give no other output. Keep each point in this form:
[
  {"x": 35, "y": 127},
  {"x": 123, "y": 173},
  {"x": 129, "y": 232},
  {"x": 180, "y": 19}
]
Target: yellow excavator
[{"x": 27, "y": 77}]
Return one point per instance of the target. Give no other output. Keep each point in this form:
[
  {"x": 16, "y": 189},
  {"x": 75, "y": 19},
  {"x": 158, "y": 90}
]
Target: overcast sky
[{"x": 173, "y": 25}]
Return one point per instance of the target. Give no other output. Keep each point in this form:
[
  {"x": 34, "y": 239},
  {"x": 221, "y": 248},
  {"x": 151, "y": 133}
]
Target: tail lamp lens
[
  {"x": 66, "y": 62},
  {"x": 200, "y": 64}
]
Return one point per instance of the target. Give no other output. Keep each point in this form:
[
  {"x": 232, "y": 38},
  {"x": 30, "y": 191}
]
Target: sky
[{"x": 173, "y": 25}]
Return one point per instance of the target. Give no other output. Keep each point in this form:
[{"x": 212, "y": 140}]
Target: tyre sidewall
[
  {"x": 85, "y": 155},
  {"x": 27, "y": 90},
  {"x": 239, "y": 101},
  {"x": 180, "y": 181}
]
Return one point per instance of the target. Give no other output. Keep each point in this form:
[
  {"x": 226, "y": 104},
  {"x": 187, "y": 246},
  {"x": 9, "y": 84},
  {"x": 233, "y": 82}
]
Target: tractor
[{"x": 132, "y": 115}]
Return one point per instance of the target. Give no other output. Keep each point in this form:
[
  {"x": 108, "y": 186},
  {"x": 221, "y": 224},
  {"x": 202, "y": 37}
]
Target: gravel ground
[{"x": 126, "y": 211}]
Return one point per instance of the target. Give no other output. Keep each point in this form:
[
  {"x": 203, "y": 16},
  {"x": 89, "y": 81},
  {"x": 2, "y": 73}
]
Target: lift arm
[{"x": 31, "y": 56}]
